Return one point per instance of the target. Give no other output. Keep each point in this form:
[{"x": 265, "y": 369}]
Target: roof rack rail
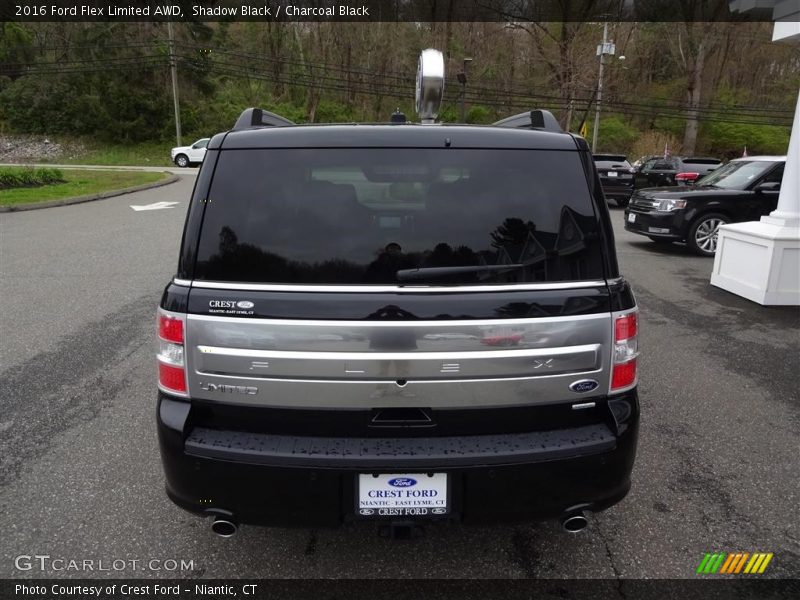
[
  {"x": 535, "y": 119},
  {"x": 258, "y": 117}
]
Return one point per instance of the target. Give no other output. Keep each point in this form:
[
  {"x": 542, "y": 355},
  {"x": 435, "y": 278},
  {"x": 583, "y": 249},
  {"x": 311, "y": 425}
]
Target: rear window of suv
[
  {"x": 610, "y": 158},
  {"x": 359, "y": 216}
]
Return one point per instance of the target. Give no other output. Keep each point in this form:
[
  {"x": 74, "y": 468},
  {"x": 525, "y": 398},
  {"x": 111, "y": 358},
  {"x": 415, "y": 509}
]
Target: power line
[{"x": 492, "y": 97}]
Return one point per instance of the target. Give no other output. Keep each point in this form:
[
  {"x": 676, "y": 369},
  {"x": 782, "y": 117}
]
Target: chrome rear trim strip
[
  {"x": 182, "y": 282},
  {"x": 410, "y": 382},
  {"x": 408, "y": 289},
  {"x": 397, "y": 356}
]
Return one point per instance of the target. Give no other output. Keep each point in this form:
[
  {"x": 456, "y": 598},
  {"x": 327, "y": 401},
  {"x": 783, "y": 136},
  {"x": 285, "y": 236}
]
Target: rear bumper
[
  {"x": 279, "y": 480},
  {"x": 617, "y": 191}
]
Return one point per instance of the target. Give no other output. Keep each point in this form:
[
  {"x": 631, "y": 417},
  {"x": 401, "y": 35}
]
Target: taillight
[
  {"x": 170, "y": 328},
  {"x": 687, "y": 177},
  {"x": 626, "y": 349},
  {"x": 171, "y": 362}
]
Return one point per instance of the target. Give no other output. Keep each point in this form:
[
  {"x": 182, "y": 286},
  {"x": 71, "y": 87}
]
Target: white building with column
[{"x": 760, "y": 260}]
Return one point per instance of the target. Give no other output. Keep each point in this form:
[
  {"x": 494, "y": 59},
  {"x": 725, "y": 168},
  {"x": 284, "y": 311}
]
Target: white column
[
  {"x": 788, "y": 212},
  {"x": 760, "y": 260}
]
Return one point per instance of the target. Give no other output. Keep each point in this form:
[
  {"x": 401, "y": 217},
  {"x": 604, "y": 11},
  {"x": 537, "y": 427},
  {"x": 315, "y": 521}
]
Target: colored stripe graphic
[
  {"x": 703, "y": 563},
  {"x": 731, "y": 560},
  {"x": 740, "y": 564},
  {"x": 728, "y": 564},
  {"x": 718, "y": 564},
  {"x": 764, "y": 564},
  {"x": 711, "y": 563}
]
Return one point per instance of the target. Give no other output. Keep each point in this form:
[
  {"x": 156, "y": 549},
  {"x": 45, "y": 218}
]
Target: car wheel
[
  {"x": 623, "y": 203},
  {"x": 182, "y": 160},
  {"x": 703, "y": 233}
]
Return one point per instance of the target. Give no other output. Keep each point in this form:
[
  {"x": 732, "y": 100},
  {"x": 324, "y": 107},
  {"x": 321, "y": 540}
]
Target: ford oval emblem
[
  {"x": 366, "y": 511},
  {"x": 583, "y": 386},
  {"x": 438, "y": 511},
  {"x": 244, "y": 304},
  {"x": 402, "y": 482}
]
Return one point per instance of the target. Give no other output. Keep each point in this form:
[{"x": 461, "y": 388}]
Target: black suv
[
  {"x": 673, "y": 170},
  {"x": 743, "y": 190},
  {"x": 616, "y": 177},
  {"x": 398, "y": 323}
]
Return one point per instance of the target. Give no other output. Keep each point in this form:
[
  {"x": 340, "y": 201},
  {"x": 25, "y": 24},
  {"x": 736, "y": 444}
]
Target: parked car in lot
[
  {"x": 480, "y": 344},
  {"x": 187, "y": 156},
  {"x": 616, "y": 177},
  {"x": 673, "y": 170},
  {"x": 743, "y": 190}
]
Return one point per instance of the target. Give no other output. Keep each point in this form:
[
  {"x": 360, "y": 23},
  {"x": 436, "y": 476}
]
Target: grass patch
[
  {"x": 78, "y": 183},
  {"x": 149, "y": 154},
  {"x": 18, "y": 177}
]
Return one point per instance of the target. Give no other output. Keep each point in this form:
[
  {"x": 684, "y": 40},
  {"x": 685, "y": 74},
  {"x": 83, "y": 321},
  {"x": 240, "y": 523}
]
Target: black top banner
[{"x": 379, "y": 10}]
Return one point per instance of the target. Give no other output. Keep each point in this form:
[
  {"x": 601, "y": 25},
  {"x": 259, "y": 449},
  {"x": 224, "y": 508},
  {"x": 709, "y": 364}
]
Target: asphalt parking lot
[{"x": 80, "y": 476}]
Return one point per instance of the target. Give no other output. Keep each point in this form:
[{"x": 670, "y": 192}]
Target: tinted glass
[
  {"x": 610, "y": 158},
  {"x": 701, "y": 161},
  {"x": 357, "y": 216},
  {"x": 612, "y": 164},
  {"x": 650, "y": 164},
  {"x": 774, "y": 176},
  {"x": 663, "y": 165},
  {"x": 736, "y": 175}
]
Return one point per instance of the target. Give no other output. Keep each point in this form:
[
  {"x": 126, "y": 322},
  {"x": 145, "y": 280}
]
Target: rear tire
[
  {"x": 622, "y": 203},
  {"x": 702, "y": 237},
  {"x": 182, "y": 161}
]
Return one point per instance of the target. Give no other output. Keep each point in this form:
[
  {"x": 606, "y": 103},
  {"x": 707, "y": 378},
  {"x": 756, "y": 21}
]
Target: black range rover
[
  {"x": 743, "y": 190},
  {"x": 397, "y": 323}
]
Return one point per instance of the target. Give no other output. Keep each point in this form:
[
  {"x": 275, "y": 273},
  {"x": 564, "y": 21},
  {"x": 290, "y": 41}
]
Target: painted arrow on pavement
[{"x": 153, "y": 206}]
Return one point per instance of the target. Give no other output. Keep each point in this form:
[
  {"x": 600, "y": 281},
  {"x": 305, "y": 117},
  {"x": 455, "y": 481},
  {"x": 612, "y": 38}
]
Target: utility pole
[
  {"x": 462, "y": 79},
  {"x": 602, "y": 50},
  {"x": 173, "y": 67}
]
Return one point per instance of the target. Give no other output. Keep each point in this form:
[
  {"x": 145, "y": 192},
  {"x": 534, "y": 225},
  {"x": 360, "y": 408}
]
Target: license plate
[
  {"x": 402, "y": 495},
  {"x": 631, "y": 217},
  {"x": 612, "y": 173}
]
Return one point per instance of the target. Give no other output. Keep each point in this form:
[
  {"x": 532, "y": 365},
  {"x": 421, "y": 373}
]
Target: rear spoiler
[
  {"x": 535, "y": 119},
  {"x": 258, "y": 117}
]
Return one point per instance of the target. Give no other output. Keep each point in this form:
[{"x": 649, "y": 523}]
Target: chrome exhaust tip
[
  {"x": 224, "y": 527},
  {"x": 574, "y": 523}
]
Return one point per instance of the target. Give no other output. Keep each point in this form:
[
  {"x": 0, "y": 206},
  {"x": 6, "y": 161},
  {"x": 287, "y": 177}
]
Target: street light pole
[
  {"x": 462, "y": 79},
  {"x": 173, "y": 67},
  {"x": 601, "y": 50}
]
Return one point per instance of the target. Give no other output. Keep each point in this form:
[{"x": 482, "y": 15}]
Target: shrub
[
  {"x": 653, "y": 142},
  {"x": 729, "y": 139},
  {"x": 615, "y": 135},
  {"x": 15, "y": 177}
]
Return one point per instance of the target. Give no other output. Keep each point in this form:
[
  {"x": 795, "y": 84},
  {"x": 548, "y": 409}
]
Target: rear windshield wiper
[{"x": 425, "y": 273}]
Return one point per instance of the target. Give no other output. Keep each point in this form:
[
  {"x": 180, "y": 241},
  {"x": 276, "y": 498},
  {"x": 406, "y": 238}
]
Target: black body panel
[
  {"x": 393, "y": 453},
  {"x": 194, "y": 216},
  {"x": 393, "y": 136},
  {"x": 399, "y": 421},
  {"x": 409, "y": 305},
  {"x": 311, "y": 494},
  {"x": 175, "y": 298}
]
